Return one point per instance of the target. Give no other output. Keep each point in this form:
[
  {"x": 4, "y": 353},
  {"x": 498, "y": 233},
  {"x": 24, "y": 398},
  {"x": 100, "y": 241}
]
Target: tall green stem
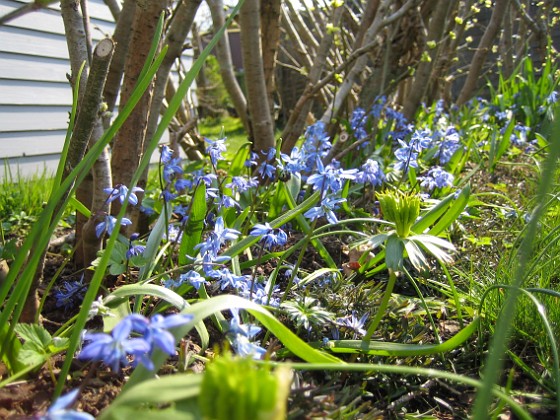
[{"x": 383, "y": 306}]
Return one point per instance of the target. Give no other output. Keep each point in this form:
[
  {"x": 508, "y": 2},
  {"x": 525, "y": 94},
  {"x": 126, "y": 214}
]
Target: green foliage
[{"x": 38, "y": 344}]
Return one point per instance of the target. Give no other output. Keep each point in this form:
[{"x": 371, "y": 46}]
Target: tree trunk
[
  {"x": 424, "y": 69},
  {"x": 270, "y": 39},
  {"x": 128, "y": 145},
  {"x": 262, "y": 129},
  {"x": 90, "y": 244},
  {"x": 470, "y": 85},
  {"x": 76, "y": 41},
  {"x": 121, "y": 36},
  {"x": 223, "y": 55},
  {"x": 176, "y": 35}
]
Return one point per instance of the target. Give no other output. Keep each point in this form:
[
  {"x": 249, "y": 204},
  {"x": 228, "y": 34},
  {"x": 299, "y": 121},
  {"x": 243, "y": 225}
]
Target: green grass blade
[{"x": 195, "y": 224}]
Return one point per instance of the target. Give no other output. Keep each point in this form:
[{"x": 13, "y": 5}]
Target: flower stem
[{"x": 383, "y": 306}]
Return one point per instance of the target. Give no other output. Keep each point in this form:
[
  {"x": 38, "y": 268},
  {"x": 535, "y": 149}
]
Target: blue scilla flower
[
  {"x": 240, "y": 336},
  {"x": 225, "y": 278},
  {"x": 252, "y": 160},
  {"x": 317, "y": 142},
  {"x": 245, "y": 348},
  {"x": 174, "y": 234},
  {"x": 113, "y": 349},
  {"x": 120, "y": 192},
  {"x": 227, "y": 202},
  {"x": 218, "y": 237},
  {"x": 183, "y": 184},
  {"x": 270, "y": 237},
  {"x": 208, "y": 179},
  {"x": 182, "y": 212},
  {"x": 439, "y": 109},
  {"x": 327, "y": 207},
  {"x": 108, "y": 225},
  {"x": 330, "y": 178},
  {"x": 166, "y": 154},
  {"x": 70, "y": 293},
  {"x": 420, "y": 140},
  {"x": 294, "y": 163},
  {"x": 354, "y": 323},
  {"x": 402, "y": 127},
  {"x": 358, "y": 123},
  {"x": 378, "y": 106},
  {"x": 519, "y": 135},
  {"x": 447, "y": 144},
  {"x": 406, "y": 157},
  {"x": 171, "y": 168},
  {"x": 270, "y": 155},
  {"x": 212, "y": 193},
  {"x": 266, "y": 171},
  {"x": 155, "y": 331},
  {"x": 61, "y": 410},
  {"x": 241, "y": 184},
  {"x": 193, "y": 278},
  {"x": 261, "y": 294},
  {"x": 167, "y": 195},
  {"x": 215, "y": 149},
  {"x": 134, "y": 250},
  {"x": 371, "y": 173},
  {"x": 436, "y": 178}
]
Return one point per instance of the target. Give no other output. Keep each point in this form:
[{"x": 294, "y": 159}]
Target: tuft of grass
[{"x": 22, "y": 199}]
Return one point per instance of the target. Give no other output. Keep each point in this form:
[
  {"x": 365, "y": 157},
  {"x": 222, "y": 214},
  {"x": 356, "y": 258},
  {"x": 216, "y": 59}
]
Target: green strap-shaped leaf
[
  {"x": 453, "y": 213},
  {"x": 170, "y": 389},
  {"x": 153, "y": 243},
  {"x": 429, "y": 218},
  {"x": 206, "y": 308},
  {"x": 195, "y": 224},
  {"x": 379, "y": 348}
]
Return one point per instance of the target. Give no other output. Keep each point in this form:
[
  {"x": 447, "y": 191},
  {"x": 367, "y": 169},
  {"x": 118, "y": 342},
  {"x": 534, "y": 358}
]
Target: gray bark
[
  {"x": 76, "y": 41},
  {"x": 88, "y": 111},
  {"x": 270, "y": 39},
  {"x": 176, "y": 35},
  {"x": 423, "y": 72},
  {"x": 121, "y": 36},
  {"x": 128, "y": 145},
  {"x": 470, "y": 85},
  {"x": 262, "y": 128}
]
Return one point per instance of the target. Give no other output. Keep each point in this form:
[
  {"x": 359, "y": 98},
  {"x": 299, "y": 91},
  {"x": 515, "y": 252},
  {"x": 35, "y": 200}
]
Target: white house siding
[{"x": 35, "y": 96}]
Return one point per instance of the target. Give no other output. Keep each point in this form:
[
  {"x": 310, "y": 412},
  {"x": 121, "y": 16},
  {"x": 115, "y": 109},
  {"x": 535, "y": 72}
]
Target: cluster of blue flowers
[{"x": 120, "y": 348}]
